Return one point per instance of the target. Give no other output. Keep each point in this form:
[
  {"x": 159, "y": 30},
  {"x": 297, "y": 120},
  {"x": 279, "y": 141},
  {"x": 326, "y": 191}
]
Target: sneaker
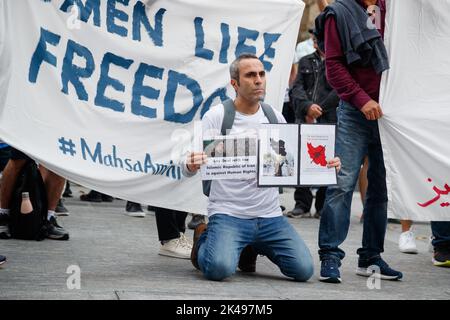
[
  {"x": 55, "y": 231},
  {"x": 298, "y": 213},
  {"x": 407, "y": 242},
  {"x": 92, "y": 196},
  {"x": 197, "y": 233},
  {"x": 2, "y": 259},
  {"x": 369, "y": 267},
  {"x": 176, "y": 248},
  {"x": 60, "y": 209},
  {"x": 134, "y": 209},
  {"x": 441, "y": 257},
  {"x": 329, "y": 271},
  {"x": 186, "y": 241},
  {"x": 196, "y": 220},
  {"x": 247, "y": 260}
]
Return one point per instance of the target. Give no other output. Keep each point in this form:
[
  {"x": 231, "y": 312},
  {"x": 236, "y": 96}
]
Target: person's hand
[
  {"x": 314, "y": 111},
  {"x": 372, "y": 110},
  {"x": 334, "y": 163},
  {"x": 194, "y": 160}
]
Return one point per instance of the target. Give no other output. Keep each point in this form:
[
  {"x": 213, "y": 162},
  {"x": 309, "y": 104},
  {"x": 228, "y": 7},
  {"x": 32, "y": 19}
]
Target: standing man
[
  {"x": 240, "y": 214},
  {"x": 312, "y": 98},
  {"x": 355, "y": 59}
]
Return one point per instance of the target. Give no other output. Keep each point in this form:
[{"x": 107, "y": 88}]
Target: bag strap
[
  {"x": 228, "y": 116},
  {"x": 269, "y": 113}
]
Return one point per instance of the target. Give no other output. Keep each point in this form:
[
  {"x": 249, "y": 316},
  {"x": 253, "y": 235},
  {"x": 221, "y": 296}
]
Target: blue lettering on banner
[
  {"x": 72, "y": 73},
  {"x": 77, "y": 74},
  {"x": 85, "y": 10},
  {"x": 96, "y": 155},
  {"x": 105, "y": 81},
  {"x": 114, "y": 13}
]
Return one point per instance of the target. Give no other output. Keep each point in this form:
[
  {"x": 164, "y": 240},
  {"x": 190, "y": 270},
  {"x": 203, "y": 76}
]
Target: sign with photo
[
  {"x": 230, "y": 157},
  {"x": 296, "y": 155}
]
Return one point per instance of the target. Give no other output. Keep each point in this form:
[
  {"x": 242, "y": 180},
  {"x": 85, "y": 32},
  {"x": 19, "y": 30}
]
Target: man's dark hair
[{"x": 234, "y": 67}]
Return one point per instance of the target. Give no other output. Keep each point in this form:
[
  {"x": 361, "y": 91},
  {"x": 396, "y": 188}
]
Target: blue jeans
[
  {"x": 441, "y": 234},
  {"x": 220, "y": 246},
  {"x": 356, "y": 137}
]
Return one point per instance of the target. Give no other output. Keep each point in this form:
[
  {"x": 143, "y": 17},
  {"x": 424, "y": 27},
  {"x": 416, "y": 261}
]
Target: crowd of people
[{"x": 245, "y": 221}]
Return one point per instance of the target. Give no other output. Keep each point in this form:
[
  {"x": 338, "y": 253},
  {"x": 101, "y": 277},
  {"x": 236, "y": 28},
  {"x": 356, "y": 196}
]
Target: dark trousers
[
  {"x": 441, "y": 234},
  {"x": 170, "y": 223},
  {"x": 304, "y": 198},
  {"x": 5, "y": 154}
]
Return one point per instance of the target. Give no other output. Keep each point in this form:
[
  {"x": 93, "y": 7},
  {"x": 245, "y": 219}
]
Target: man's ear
[{"x": 234, "y": 84}]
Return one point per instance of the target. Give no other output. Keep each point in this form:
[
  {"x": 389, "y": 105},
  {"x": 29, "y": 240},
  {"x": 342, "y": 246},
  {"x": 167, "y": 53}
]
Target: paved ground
[{"x": 118, "y": 258}]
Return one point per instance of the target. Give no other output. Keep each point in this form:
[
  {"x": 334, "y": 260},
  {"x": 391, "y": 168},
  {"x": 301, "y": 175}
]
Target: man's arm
[{"x": 340, "y": 78}]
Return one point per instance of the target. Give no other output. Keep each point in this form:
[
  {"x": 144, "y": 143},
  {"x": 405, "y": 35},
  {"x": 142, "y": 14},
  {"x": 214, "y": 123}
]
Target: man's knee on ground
[
  {"x": 302, "y": 271},
  {"x": 218, "y": 268}
]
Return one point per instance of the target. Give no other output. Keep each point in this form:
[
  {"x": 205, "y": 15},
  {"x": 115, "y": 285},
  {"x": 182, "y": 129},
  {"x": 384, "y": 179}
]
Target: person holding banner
[
  {"x": 240, "y": 214},
  {"x": 354, "y": 72}
]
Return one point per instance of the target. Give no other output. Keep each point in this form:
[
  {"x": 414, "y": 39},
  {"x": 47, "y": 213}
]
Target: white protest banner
[
  {"x": 415, "y": 98},
  {"x": 106, "y": 92}
]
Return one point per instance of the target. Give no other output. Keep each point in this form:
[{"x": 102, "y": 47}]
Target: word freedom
[{"x": 78, "y": 63}]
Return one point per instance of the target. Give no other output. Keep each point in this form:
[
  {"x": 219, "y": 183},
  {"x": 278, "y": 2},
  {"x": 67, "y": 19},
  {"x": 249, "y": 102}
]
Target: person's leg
[
  {"x": 320, "y": 200},
  {"x": 407, "y": 241},
  {"x": 375, "y": 208},
  {"x": 10, "y": 174},
  {"x": 351, "y": 146},
  {"x": 278, "y": 240},
  {"x": 375, "y": 215},
  {"x": 303, "y": 202},
  {"x": 180, "y": 217},
  {"x": 167, "y": 224},
  {"x": 441, "y": 243},
  {"x": 54, "y": 184},
  {"x": 219, "y": 247},
  {"x": 5, "y": 155}
]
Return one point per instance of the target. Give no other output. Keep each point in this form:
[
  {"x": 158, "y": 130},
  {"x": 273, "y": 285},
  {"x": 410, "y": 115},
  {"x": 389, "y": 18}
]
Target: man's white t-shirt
[{"x": 235, "y": 197}]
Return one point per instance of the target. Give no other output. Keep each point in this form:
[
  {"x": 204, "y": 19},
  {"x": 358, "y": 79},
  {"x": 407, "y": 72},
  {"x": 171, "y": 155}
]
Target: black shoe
[
  {"x": 92, "y": 196},
  {"x": 134, "y": 209},
  {"x": 67, "y": 192},
  {"x": 2, "y": 259},
  {"x": 107, "y": 198},
  {"x": 60, "y": 209},
  {"x": 298, "y": 213},
  {"x": 55, "y": 231},
  {"x": 247, "y": 259},
  {"x": 196, "y": 220},
  {"x": 441, "y": 257}
]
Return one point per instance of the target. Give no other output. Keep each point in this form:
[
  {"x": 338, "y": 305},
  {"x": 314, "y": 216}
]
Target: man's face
[{"x": 252, "y": 80}]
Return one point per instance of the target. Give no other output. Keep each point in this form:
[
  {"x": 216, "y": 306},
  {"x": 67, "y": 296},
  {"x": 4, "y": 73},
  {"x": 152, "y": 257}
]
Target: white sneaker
[
  {"x": 137, "y": 214},
  {"x": 407, "y": 242},
  {"x": 176, "y": 248}
]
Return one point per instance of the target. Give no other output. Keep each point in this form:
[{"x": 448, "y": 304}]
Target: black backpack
[
  {"x": 29, "y": 226},
  {"x": 227, "y": 124}
]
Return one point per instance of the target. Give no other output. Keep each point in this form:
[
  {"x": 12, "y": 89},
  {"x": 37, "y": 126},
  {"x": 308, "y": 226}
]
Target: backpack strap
[
  {"x": 269, "y": 113},
  {"x": 229, "y": 113}
]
